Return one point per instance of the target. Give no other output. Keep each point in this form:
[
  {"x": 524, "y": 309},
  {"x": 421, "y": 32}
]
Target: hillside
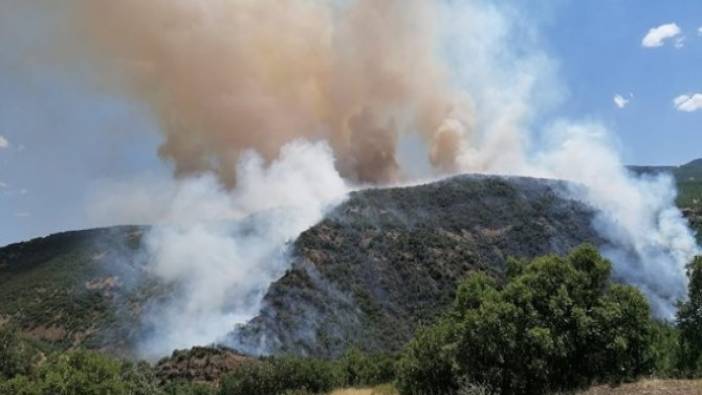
[
  {"x": 388, "y": 259},
  {"x": 378, "y": 266},
  {"x": 71, "y": 288}
]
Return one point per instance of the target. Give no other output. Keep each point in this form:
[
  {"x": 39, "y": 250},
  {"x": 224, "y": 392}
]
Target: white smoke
[
  {"x": 222, "y": 249},
  {"x": 498, "y": 59},
  {"x": 650, "y": 242}
]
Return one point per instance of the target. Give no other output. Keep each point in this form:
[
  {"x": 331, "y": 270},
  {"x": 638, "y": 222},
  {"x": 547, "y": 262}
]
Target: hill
[
  {"x": 388, "y": 260},
  {"x": 74, "y": 289},
  {"x": 374, "y": 269}
]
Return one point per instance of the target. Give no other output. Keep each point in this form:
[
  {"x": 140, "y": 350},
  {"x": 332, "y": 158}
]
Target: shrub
[
  {"x": 689, "y": 321},
  {"x": 426, "y": 364},
  {"x": 278, "y": 375},
  {"x": 665, "y": 349},
  {"x": 85, "y": 373},
  {"x": 187, "y": 388},
  {"x": 357, "y": 369},
  {"x": 16, "y": 355}
]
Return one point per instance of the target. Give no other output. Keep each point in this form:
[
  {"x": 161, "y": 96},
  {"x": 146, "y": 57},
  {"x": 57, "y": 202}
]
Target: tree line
[{"x": 552, "y": 324}]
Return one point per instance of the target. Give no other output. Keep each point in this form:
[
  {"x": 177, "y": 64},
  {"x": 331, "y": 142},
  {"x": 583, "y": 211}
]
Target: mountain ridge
[{"x": 89, "y": 288}]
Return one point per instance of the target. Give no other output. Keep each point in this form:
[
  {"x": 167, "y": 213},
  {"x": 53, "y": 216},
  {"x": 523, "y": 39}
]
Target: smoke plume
[
  {"x": 222, "y": 249},
  {"x": 226, "y": 76},
  {"x": 241, "y": 87}
]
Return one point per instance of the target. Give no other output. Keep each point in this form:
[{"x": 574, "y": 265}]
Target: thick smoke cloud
[
  {"x": 227, "y": 78},
  {"x": 222, "y": 249}
]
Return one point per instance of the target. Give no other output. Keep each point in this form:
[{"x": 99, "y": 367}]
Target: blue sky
[
  {"x": 599, "y": 47},
  {"x": 60, "y": 140}
]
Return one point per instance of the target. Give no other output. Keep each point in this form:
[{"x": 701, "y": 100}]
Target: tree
[
  {"x": 556, "y": 324},
  {"x": 16, "y": 356},
  {"x": 426, "y": 364},
  {"x": 689, "y": 321}
]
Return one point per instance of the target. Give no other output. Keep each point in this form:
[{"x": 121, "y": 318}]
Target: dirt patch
[
  {"x": 103, "y": 283},
  {"x": 52, "y": 333},
  {"x": 650, "y": 387},
  {"x": 380, "y": 390},
  {"x": 200, "y": 364}
]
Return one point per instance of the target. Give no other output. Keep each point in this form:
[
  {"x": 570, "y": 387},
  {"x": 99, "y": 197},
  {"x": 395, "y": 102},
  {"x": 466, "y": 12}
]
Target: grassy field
[
  {"x": 380, "y": 390},
  {"x": 650, "y": 387},
  {"x": 644, "y": 387}
]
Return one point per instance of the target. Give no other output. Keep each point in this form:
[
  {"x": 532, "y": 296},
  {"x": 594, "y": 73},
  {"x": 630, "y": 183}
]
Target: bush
[
  {"x": 85, "y": 373},
  {"x": 556, "y": 324},
  {"x": 357, "y": 369},
  {"x": 665, "y": 350},
  {"x": 187, "y": 388},
  {"x": 689, "y": 321},
  {"x": 426, "y": 364},
  {"x": 16, "y": 355},
  {"x": 278, "y": 375}
]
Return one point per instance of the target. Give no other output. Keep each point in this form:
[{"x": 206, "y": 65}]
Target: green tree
[
  {"x": 665, "y": 349},
  {"x": 16, "y": 355},
  {"x": 689, "y": 321},
  {"x": 557, "y": 323},
  {"x": 84, "y": 373},
  {"x": 357, "y": 368},
  {"x": 426, "y": 365},
  {"x": 274, "y": 376}
]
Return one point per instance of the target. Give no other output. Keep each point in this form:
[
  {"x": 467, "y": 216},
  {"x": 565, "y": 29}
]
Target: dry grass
[
  {"x": 380, "y": 390},
  {"x": 644, "y": 387},
  {"x": 650, "y": 387}
]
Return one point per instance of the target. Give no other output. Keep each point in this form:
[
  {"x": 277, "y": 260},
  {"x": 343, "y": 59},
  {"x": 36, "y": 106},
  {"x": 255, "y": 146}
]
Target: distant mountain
[
  {"x": 688, "y": 178},
  {"x": 77, "y": 288},
  {"x": 691, "y": 171}
]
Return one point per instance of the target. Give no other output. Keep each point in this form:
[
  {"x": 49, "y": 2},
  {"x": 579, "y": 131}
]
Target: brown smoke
[{"x": 229, "y": 75}]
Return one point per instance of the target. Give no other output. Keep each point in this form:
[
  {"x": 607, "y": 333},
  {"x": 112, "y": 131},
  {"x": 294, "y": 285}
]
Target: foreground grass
[
  {"x": 380, "y": 390},
  {"x": 650, "y": 387},
  {"x": 644, "y": 387}
]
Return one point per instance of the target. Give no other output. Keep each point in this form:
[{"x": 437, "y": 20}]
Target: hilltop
[
  {"x": 377, "y": 267},
  {"x": 388, "y": 260}
]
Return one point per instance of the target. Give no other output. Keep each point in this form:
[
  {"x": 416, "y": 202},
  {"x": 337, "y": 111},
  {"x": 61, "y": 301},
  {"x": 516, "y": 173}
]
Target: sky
[{"x": 633, "y": 66}]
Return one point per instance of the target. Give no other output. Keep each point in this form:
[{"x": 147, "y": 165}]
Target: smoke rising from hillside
[
  {"x": 222, "y": 249},
  {"x": 227, "y": 78}
]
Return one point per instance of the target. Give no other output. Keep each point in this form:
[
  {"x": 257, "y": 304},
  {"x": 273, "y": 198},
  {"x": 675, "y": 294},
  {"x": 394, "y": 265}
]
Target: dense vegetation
[
  {"x": 25, "y": 369},
  {"x": 513, "y": 326},
  {"x": 388, "y": 260},
  {"x": 689, "y": 322},
  {"x": 77, "y": 288},
  {"x": 555, "y": 323}
]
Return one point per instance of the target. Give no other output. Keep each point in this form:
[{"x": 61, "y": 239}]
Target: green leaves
[
  {"x": 556, "y": 324},
  {"x": 689, "y": 321}
]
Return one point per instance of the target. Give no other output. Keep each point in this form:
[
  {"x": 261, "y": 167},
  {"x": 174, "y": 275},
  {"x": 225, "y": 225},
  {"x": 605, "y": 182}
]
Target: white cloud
[
  {"x": 3, "y": 185},
  {"x": 688, "y": 103},
  {"x": 620, "y": 101},
  {"x": 657, "y": 35},
  {"x": 3, "y": 142},
  {"x": 679, "y": 42},
  {"x": 699, "y": 30}
]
